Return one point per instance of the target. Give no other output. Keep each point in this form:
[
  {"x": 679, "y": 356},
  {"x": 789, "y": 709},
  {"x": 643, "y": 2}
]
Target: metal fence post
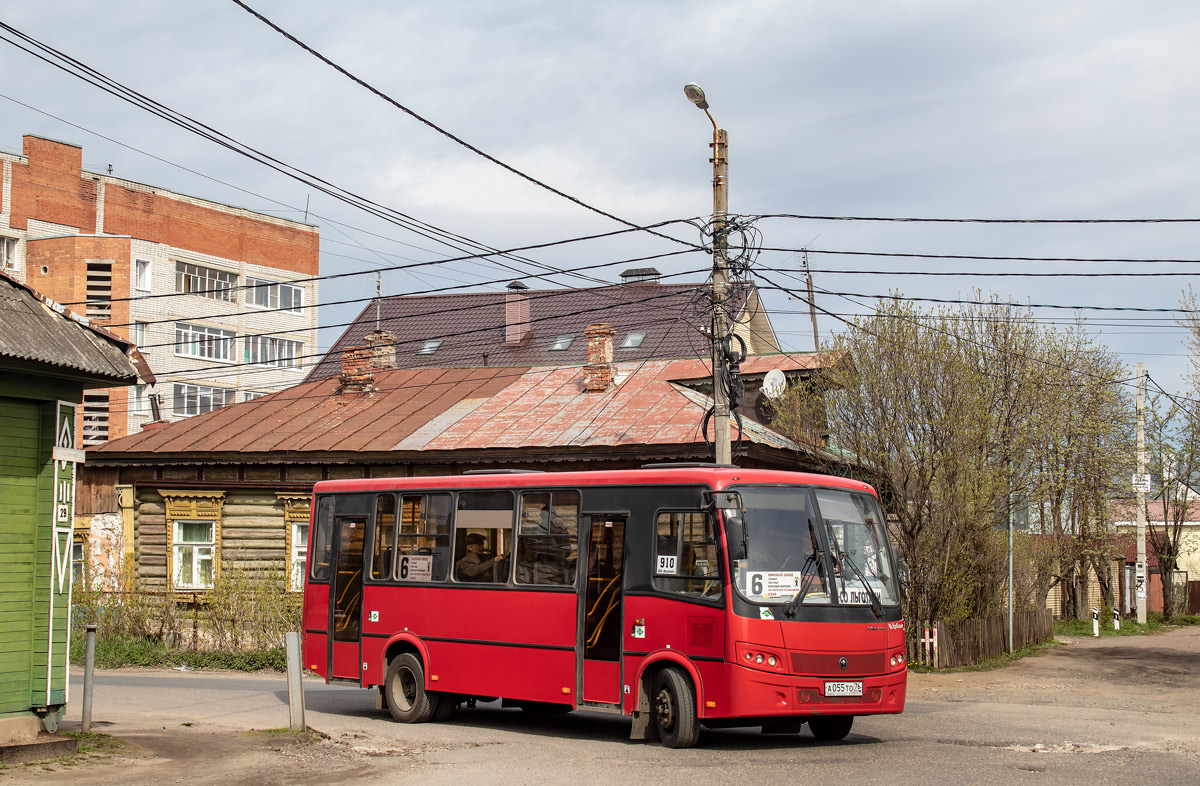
[
  {"x": 295, "y": 679},
  {"x": 89, "y": 666}
]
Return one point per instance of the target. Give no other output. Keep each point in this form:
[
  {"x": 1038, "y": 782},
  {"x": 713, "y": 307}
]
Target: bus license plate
[{"x": 843, "y": 689}]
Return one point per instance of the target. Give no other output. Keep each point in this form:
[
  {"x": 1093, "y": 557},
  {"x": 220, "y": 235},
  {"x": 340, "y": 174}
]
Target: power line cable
[
  {"x": 920, "y": 220},
  {"x": 384, "y": 96}
]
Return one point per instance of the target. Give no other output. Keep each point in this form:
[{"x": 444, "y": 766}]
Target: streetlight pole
[{"x": 720, "y": 274}]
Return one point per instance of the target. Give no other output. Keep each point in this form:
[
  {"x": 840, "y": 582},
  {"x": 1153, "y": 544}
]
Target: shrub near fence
[
  {"x": 244, "y": 610},
  {"x": 942, "y": 645}
]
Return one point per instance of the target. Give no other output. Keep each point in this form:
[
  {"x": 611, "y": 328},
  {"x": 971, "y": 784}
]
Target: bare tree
[{"x": 951, "y": 413}]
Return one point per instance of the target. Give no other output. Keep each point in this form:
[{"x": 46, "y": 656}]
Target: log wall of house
[
  {"x": 150, "y": 539},
  {"x": 253, "y": 530}
]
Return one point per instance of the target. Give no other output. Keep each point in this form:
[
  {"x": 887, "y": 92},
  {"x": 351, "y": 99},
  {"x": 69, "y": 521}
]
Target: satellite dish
[{"x": 774, "y": 383}]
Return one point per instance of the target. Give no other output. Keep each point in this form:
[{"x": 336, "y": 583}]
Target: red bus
[{"x": 681, "y": 595}]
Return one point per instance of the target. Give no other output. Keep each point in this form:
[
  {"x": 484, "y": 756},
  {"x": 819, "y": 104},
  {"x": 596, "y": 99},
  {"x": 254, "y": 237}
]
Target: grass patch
[
  {"x": 115, "y": 652},
  {"x": 1154, "y": 624}
]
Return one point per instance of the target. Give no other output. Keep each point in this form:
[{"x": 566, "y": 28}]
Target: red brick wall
[
  {"x": 65, "y": 279},
  {"x": 51, "y": 188}
]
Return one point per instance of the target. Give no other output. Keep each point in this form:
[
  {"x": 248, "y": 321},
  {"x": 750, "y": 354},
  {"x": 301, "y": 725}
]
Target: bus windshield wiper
[
  {"x": 876, "y": 606},
  {"x": 818, "y": 559}
]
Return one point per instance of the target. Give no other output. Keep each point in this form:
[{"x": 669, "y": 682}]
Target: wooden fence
[{"x": 942, "y": 645}]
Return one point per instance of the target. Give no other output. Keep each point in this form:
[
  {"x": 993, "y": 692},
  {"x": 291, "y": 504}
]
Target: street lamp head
[{"x": 695, "y": 95}]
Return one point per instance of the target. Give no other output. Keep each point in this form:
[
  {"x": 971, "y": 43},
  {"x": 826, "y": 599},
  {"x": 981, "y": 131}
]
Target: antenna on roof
[{"x": 378, "y": 287}]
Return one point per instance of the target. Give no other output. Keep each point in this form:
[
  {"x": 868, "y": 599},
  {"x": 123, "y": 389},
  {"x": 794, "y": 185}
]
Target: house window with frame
[
  {"x": 201, "y": 341},
  {"x": 141, "y": 275},
  {"x": 272, "y": 351},
  {"x": 430, "y": 346},
  {"x": 299, "y": 554},
  {"x": 8, "y": 253},
  {"x": 204, "y": 281},
  {"x": 268, "y": 294},
  {"x": 138, "y": 403},
  {"x": 193, "y": 550},
  {"x": 562, "y": 343}
]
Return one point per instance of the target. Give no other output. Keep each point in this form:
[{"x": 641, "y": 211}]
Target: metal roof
[
  {"x": 454, "y": 409},
  {"x": 472, "y": 325},
  {"x": 36, "y": 330}
]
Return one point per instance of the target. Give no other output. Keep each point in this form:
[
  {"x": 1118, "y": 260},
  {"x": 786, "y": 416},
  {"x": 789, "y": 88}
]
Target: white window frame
[
  {"x": 209, "y": 282},
  {"x": 141, "y": 275},
  {"x": 562, "y": 343},
  {"x": 273, "y": 351},
  {"x": 139, "y": 402},
  {"x": 633, "y": 340},
  {"x": 137, "y": 333},
  {"x": 178, "y": 546},
  {"x": 250, "y": 395},
  {"x": 228, "y": 396},
  {"x": 274, "y": 292},
  {"x": 299, "y": 555},
  {"x": 8, "y": 253},
  {"x": 204, "y": 342}
]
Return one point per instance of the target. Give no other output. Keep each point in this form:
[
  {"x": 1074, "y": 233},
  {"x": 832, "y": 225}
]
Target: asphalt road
[{"x": 1112, "y": 710}]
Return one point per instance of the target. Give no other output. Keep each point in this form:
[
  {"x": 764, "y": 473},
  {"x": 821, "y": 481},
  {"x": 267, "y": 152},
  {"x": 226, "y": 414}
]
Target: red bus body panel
[{"x": 521, "y": 643}]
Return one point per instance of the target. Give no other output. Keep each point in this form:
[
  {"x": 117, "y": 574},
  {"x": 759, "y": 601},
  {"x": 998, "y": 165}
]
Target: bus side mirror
[{"x": 729, "y": 503}]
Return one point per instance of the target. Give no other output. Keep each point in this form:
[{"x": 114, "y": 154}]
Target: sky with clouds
[{"x": 935, "y": 108}]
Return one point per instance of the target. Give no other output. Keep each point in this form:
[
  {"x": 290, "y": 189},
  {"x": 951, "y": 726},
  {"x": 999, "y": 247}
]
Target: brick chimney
[
  {"x": 599, "y": 373},
  {"x": 357, "y": 374},
  {"x": 516, "y": 313},
  {"x": 382, "y": 345}
]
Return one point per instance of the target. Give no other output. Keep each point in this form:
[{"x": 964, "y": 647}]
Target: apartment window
[
  {"x": 633, "y": 341},
  {"x": 192, "y": 551},
  {"x": 141, "y": 274},
  {"x": 250, "y": 395},
  {"x": 562, "y": 344},
  {"x": 137, "y": 334},
  {"x": 267, "y": 294},
  {"x": 271, "y": 351},
  {"x": 8, "y": 253},
  {"x": 204, "y": 281},
  {"x": 429, "y": 347},
  {"x": 199, "y": 341},
  {"x": 138, "y": 402},
  {"x": 197, "y": 399}
]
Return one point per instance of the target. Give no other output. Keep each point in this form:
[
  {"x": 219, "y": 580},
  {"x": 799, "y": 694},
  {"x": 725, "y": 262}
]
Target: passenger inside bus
[{"x": 477, "y": 564}]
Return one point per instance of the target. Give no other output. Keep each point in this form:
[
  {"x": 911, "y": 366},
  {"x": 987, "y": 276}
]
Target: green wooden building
[{"x": 48, "y": 357}]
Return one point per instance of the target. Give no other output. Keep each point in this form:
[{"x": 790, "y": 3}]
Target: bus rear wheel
[
  {"x": 404, "y": 690},
  {"x": 674, "y": 705},
  {"x": 831, "y": 727}
]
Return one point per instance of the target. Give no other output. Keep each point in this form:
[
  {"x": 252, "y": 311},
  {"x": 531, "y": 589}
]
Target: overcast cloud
[{"x": 937, "y": 109}]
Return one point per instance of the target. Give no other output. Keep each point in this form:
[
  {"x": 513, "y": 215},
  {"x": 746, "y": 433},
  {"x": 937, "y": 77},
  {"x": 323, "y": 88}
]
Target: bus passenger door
[
  {"x": 345, "y": 600},
  {"x": 601, "y": 611}
]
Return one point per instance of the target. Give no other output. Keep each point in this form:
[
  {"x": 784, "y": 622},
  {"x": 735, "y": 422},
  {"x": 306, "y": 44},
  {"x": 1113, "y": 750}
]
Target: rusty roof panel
[{"x": 449, "y": 409}]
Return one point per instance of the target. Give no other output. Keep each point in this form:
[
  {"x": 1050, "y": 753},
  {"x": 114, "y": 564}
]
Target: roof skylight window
[
  {"x": 562, "y": 343},
  {"x": 633, "y": 340},
  {"x": 431, "y": 346}
]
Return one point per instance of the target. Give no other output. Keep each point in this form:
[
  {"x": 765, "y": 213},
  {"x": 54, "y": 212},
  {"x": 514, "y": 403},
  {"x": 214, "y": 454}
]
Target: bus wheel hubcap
[{"x": 666, "y": 712}]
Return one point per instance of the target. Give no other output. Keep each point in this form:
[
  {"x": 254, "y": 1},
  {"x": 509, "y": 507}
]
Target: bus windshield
[{"x": 828, "y": 550}]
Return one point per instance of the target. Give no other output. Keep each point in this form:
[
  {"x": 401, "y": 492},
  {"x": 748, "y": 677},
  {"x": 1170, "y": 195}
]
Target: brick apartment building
[{"x": 233, "y": 325}]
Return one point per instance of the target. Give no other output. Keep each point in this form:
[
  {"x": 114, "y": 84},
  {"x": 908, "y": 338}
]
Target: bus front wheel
[
  {"x": 831, "y": 727},
  {"x": 674, "y": 704},
  {"x": 404, "y": 690}
]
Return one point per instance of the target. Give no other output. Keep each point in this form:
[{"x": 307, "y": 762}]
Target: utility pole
[
  {"x": 720, "y": 274},
  {"x": 812, "y": 303},
  {"x": 1140, "y": 594}
]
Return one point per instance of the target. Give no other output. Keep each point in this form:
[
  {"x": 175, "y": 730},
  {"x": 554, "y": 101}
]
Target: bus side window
[
  {"x": 483, "y": 536},
  {"x": 423, "y": 540},
  {"x": 686, "y": 559},
  {"x": 385, "y": 530},
  {"x": 548, "y": 538},
  {"x": 322, "y": 551}
]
